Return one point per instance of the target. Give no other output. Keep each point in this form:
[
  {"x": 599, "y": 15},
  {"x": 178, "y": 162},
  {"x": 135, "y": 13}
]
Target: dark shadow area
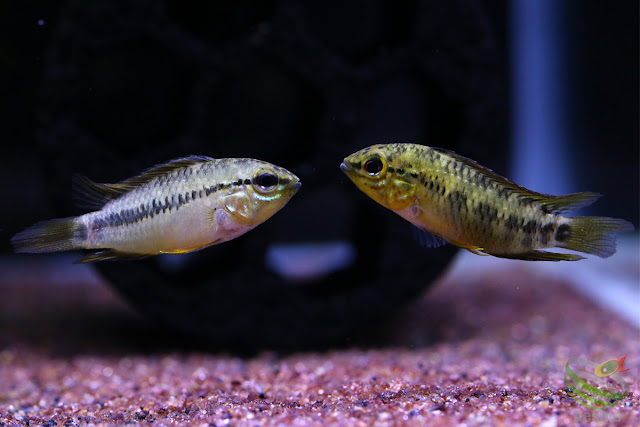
[
  {"x": 124, "y": 85},
  {"x": 109, "y": 88}
]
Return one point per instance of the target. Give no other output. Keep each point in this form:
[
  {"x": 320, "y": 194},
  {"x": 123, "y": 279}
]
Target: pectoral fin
[{"x": 428, "y": 239}]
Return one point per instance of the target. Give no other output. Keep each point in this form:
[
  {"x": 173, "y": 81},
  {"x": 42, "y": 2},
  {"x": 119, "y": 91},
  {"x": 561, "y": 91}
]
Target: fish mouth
[
  {"x": 345, "y": 167},
  {"x": 296, "y": 186}
]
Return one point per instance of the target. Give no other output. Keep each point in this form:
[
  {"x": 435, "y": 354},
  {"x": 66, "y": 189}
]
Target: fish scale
[
  {"x": 485, "y": 211},
  {"x": 177, "y": 207},
  {"x": 466, "y": 204}
]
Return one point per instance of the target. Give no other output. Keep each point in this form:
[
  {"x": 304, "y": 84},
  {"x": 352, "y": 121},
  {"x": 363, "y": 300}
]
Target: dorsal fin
[
  {"x": 94, "y": 195},
  {"x": 569, "y": 202},
  {"x": 548, "y": 202},
  {"x": 159, "y": 170}
]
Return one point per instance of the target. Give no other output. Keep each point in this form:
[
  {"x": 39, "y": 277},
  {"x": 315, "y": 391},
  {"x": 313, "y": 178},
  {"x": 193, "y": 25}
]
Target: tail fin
[
  {"x": 592, "y": 235},
  {"x": 50, "y": 236}
]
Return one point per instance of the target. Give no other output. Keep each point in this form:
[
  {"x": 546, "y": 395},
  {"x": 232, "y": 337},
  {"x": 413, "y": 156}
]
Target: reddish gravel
[{"x": 488, "y": 350}]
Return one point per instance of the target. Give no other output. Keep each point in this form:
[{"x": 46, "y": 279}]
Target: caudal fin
[
  {"x": 592, "y": 235},
  {"x": 49, "y": 236}
]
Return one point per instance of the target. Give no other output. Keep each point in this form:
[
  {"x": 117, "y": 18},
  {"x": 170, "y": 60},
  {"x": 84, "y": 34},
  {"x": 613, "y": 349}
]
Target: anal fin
[
  {"x": 108, "y": 254},
  {"x": 541, "y": 256},
  {"x": 187, "y": 250}
]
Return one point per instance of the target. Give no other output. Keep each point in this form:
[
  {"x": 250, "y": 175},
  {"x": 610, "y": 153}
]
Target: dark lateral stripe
[
  {"x": 82, "y": 233},
  {"x": 457, "y": 199},
  {"x": 531, "y": 226},
  {"x": 131, "y": 216},
  {"x": 485, "y": 212},
  {"x": 512, "y": 222},
  {"x": 563, "y": 233},
  {"x": 547, "y": 233}
]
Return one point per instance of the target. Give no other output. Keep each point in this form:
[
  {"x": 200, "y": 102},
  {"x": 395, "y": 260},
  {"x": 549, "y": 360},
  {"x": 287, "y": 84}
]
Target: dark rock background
[{"x": 108, "y": 88}]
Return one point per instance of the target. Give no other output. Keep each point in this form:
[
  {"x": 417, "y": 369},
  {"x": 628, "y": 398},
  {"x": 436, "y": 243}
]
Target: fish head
[
  {"x": 265, "y": 193},
  {"x": 374, "y": 170}
]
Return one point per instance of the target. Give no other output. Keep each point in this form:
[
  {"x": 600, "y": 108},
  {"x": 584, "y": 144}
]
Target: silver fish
[{"x": 173, "y": 208}]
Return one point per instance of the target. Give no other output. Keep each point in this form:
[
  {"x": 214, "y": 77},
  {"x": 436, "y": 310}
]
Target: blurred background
[{"x": 544, "y": 92}]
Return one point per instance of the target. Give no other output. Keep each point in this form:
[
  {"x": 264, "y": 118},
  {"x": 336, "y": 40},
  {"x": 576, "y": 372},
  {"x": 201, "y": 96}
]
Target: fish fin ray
[
  {"x": 594, "y": 235},
  {"x": 427, "y": 239},
  {"x": 471, "y": 248},
  {"x": 108, "y": 254},
  {"x": 95, "y": 195},
  {"x": 477, "y": 251},
  {"x": 540, "y": 256},
  {"x": 491, "y": 174},
  {"x": 92, "y": 195},
  {"x": 159, "y": 170},
  {"x": 548, "y": 202},
  {"x": 470, "y": 162},
  {"x": 193, "y": 249},
  {"x": 569, "y": 202},
  {"x": 49, "y": 236},
  {"x": 211, "y": 216}
]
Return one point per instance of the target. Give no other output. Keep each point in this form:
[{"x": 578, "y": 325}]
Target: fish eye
[
  {"x": 373, "y": 166},
  {"x": 265, "y": 181}
]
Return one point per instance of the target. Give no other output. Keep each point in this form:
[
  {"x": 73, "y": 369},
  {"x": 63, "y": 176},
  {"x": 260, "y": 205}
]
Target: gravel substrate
[{"x": 488, "y": 349}]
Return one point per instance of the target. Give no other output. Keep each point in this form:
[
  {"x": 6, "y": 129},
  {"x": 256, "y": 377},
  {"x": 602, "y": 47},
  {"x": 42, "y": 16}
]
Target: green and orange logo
[{"x": 596, "y": 386}]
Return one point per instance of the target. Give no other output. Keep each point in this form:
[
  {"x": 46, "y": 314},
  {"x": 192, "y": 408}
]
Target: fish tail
[
  {"x": 592, "y": 235},
  {"x": 61, "y": 234}
]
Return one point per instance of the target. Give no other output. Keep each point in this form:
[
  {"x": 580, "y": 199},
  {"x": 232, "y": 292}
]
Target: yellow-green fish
[
  {"x": 470, "y": 206},
  {"x": 177, "y": 207}
]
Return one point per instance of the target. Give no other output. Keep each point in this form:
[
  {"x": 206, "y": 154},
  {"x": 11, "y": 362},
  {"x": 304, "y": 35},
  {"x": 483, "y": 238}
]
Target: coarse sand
[{"x": 483, "y": 350}]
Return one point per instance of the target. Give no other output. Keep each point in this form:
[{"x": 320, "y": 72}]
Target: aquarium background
[
  {"x": 545, "y": 92},
  {"x": 589, "y": 52}
]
